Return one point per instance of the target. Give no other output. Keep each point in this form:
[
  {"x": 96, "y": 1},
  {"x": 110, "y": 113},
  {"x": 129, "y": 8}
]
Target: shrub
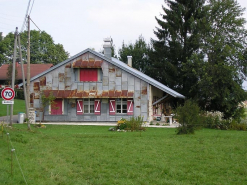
[
  {"x": 19, "y": 94},
  {"x": 133, "y": 124},
  {"x": 121, "y": 124},
  {"x": 238, "y": 126},
  {"x": 188, "y": 116}
]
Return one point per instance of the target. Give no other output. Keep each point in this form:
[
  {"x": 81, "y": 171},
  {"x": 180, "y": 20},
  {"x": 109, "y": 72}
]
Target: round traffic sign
[{"x": 8, "y": 93}]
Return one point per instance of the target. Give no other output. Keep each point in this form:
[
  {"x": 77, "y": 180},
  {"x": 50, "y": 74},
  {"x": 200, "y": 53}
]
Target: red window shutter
[
  {"x": 82, "y": 75},
  {"x": 87, "y": 75},
  {"x": 57, "y": 107},
  {"x": 130, "y": 107},
  {"x": 97, "y": 106},
  {"x": 94, "y": 75},
  {"x": 112, "y": 107},
  {"x": 79, "y": 107}
]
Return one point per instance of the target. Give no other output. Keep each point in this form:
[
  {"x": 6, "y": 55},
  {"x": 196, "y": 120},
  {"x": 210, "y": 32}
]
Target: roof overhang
[{"x": 88, "y": 94}]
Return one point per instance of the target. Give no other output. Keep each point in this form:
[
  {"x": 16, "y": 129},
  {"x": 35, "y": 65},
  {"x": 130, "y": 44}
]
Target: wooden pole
[
  {"x": 13, "y": 76},
  {"x": 28, "y": 65},
  {"x": 23, "y": 79}
]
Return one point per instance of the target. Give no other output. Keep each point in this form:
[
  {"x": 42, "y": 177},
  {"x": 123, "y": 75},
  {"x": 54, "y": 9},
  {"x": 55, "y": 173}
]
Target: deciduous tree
[
  {"x": 140, "y": 54},
  {"x": 43, "y": 49}
]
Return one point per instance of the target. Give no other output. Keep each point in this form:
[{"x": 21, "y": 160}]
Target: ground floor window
[
  {"x": 88, "y": 106},
  {"x": 56, "y": 107},
  {"x": 121, "y": 106}
]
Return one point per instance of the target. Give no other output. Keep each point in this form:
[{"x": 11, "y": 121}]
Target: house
[
  {"x": 91, "y": 86},
  {"x": 35, "y": 69}
]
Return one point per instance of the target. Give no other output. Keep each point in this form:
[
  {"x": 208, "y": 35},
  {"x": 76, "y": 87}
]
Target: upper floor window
[{"x": 90, "y": 74}]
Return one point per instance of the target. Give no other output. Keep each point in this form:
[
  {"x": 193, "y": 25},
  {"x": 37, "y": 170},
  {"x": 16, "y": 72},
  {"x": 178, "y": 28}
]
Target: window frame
[
  {"x": 113, "y": 106},
  {"x": 91, "y": 105},
  {"x": 121, "y": 102},
  {"x": 99, "y": 75}
]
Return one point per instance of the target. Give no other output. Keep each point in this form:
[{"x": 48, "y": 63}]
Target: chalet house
[
  {"x": 96, "y": 87},
  {"x": 35, "y": 69}
]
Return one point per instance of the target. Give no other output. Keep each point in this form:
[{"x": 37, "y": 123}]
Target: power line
[
  {"x": 1, "y": 17},
  {"x": 31, "y": 8},
  {"x": 26, "y": 15}
]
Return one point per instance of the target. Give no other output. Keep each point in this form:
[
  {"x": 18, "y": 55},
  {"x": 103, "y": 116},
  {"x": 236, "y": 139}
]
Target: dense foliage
[
  {"x": 188, "y": 116},
  {"x": 139, "y": 51},
  {"x": 42, "y": 48},
  {"x": 200, "y": 52}
]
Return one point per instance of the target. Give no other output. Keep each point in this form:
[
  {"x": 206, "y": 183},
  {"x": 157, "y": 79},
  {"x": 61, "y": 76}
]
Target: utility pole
[
  {"x": 13, "y": 76},
  {"x": 28, "y": 66},
  {"x": 23, "y": 79}
]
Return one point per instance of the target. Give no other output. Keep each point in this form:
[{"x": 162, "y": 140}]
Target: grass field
[
  {"x": 94, "y": 155},
  {"x": 19, "y": 106}
]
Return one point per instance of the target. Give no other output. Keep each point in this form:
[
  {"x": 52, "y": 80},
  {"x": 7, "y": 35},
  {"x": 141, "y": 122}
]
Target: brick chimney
[{"x": 107, "y": 47}]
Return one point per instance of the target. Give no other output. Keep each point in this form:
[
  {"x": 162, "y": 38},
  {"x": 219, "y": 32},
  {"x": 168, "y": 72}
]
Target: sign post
[{"x": 8, "y": 95}]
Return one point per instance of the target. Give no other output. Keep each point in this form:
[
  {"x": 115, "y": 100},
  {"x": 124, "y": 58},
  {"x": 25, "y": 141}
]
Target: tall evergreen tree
[
  {"x": 178, "y": 38},
  {"x": 201, "y": 52}
]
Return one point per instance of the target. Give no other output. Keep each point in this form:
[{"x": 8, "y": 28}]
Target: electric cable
[
  {"x": 26, "y": 15},
  {"x": 31, "y": 8}
]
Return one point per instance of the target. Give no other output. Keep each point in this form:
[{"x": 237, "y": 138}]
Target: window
[
  {"x": 56, "y": 108},
  {"x": 121, "y": 106},
  {"x": 90, "y": 75},
  {"x": 88, "y": 106}
]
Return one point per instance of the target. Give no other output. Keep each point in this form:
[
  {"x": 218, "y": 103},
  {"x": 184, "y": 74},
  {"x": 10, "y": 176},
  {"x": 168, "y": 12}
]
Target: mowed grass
[
  {"x": 19, "y": 106},
  {"x": 94, "y": 155}
]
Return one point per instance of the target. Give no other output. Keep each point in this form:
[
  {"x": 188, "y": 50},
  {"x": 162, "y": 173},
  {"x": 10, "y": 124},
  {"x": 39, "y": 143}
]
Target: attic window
[{"x": 90, "y": 75}]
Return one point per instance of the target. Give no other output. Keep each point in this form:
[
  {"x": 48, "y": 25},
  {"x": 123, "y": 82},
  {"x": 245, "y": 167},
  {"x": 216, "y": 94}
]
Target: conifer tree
[{"x": 178, "y": 38}]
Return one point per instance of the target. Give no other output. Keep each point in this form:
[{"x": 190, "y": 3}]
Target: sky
[{"x": 82, "y": 24}]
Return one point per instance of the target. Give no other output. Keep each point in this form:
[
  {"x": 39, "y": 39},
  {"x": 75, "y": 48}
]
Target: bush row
[{"x": 191, "y": 118}]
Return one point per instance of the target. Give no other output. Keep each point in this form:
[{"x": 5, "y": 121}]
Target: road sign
[
  {"x": 8, "y": 93},
  {"x": 7, "y": 102}
]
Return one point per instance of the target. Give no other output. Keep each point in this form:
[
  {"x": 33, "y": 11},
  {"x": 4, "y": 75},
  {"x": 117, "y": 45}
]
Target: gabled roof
[
  {"x": 122, "y": 66},
  {"x": 35, "y": 69}
]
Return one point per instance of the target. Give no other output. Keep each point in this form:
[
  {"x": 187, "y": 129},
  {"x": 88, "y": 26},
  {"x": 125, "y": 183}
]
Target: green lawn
[
  {"x": 19, "y": 106},
  {"x": 93, "y": 155}
]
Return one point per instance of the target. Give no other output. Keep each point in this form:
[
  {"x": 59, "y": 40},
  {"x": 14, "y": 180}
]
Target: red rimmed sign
[{"x": 8, "y": 93}]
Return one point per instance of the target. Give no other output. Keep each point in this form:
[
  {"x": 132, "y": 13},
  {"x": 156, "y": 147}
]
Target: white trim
[
  {"x": 78, "y": 102},
  {"x": 113, "y": 109},
  {"x": 62, "y": 106},
  {"x": 130, "y": 106},
  {"x": 96, "y": 108}
]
